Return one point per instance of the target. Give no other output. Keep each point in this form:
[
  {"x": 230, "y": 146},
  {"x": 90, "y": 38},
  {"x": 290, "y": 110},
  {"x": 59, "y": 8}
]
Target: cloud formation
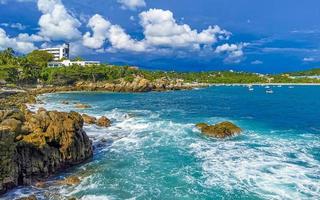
[
  {"x": 17, "y": 43},
  {"x": 132, "y": 4},
  {"x": 56, "y": 23},
  {"x": 161, "y": 32}
]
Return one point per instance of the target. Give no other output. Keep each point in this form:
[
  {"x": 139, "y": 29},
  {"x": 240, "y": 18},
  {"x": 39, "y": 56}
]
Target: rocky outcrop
[
  {"x": 89, "y": 119},
  {"x": 102, "y": 121},
  {"x": 138, "y": 84},
  {"x": 82, "y": 106},
  {"x": 36, "y": 145},
  {"x": 220, "y": 130}
]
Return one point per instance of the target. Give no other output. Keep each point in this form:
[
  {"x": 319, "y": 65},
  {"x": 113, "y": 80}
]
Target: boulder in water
[
  {"x": 89, "y": 119},
  {"x": 82, "y": 106},
  {"x": 220, "y": 130},
  {"x": 104, "y": 122}
]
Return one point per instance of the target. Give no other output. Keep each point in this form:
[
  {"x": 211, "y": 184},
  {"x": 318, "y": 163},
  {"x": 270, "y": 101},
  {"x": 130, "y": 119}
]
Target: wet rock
[
  {"x": 82, "y": 106},
  {"x": 41, "y": 184},
  {"x": 220, "y": 130},
  {"x": 65, "y": 102},
  {"x": 71, "y": 180},
  {"x": 104, "y": 122},
  {"x": 34, "y": 146},
  {"x": 31, "y": 197},
  {"x": 89, "y": 119}
]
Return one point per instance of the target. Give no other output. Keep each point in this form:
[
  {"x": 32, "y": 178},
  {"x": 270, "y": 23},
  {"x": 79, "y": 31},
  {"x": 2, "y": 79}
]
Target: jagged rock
[
  {"x": 37, "y": 145},
  {"x": 31, "y": 197},
  {"x": 89, "y": 119},
  {"x": 41, "y": 184},
  {"x": 103, "y": 121},
  {"x": 82, "y": 106},
  {"x": 220, "y": 130},
  {"x": 71, "y": 180},
  {"x": 65, "y": 102}
]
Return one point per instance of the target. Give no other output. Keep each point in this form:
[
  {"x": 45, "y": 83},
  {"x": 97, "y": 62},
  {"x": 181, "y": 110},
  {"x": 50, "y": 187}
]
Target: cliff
[{"x": 35, "y": 145}]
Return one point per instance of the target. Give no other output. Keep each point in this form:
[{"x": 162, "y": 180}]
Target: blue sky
[{"x": 267, "y": 36}]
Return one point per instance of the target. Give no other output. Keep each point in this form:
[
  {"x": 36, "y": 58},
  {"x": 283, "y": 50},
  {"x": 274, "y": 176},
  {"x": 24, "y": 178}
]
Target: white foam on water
[
  {"x": 266, "y": 170},
  {"x": 96, "y": 197},
  {"x": 259, "y": 163}
]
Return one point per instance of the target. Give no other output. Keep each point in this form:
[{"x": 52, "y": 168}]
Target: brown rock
[
  {"x": 54, "y": 141},
  {"x": 103, "y": 121},
  {"x": 220, "y": 130},
  {"x": 31, "y": 197},
  {"x": 82, "y": 106},
  {"x": 71, "y": 180},
  {"x": 89, "y": 119},
  {"x": 65, "y": 102}
]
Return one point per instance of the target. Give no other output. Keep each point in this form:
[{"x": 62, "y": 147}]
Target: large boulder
[
  {"x": 220, "y": 130},
  {"x": 35, "y": 145}
]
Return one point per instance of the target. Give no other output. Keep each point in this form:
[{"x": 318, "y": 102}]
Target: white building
[
  {"x": 67, "y": 63},
  {"x": 59, "y": 53}
]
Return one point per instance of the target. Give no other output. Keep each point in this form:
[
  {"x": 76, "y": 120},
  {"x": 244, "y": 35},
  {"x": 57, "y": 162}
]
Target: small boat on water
[
  {"x": 267, "y": 87},
  {"x": 251, "y": 89},
  {"x": 279, "y": 86},
  {"x": 291, "y": 87},
  {"x": 269, "y": 91}
]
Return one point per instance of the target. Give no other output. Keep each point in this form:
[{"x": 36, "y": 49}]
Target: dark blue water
[{"x": 153, "y": 150}]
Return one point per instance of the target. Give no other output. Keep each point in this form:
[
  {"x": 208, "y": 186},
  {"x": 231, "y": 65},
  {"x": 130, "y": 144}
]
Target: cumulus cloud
[
  {"x": 234, "y": 52},
  {"x": 161, "y": 31},
  {"x": 16, "y": 43},
  {"x": 56, "y": 23},
  {"x": 132, "y": 4},
  {"x": 103, "y": 30}
]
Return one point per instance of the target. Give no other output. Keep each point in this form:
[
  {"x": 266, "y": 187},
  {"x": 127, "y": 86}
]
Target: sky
[{"x": 268, "y": 36}]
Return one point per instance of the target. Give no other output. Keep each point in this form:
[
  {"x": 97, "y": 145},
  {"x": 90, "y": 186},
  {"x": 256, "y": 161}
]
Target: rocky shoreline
[{"x": 34, "y": 146}]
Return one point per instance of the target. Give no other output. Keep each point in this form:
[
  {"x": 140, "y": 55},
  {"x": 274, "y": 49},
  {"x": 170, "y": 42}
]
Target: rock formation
[
  {"x": 220, "y": 130},
  {"x": 36, "y": 145},
  {"x": 104, "y": 122}
]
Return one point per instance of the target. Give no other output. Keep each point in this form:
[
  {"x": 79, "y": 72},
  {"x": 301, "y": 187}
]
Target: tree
[
  {"x": 7, "y": 57},
  {"x": 39, "y": 58}
]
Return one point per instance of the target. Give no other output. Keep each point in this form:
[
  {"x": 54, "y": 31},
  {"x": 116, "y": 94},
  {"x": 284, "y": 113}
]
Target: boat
[
  {"x": 251, "y": 89},
  {"x": 267, "y": 87},
  {"x": 269, "y": 91},
  {"x": 291, "y": 87}
]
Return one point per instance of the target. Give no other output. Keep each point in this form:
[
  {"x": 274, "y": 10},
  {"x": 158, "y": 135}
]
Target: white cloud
[
  {"x": 308, "y": 59},
  {"x": 234, "y": 52},
  {"x": 132, "y": 4},
  {"x": 15, "y": 42},
  {"x": 161, "y": 29},
  {"x": 18, "y": 26},
  {"x": 103, "y": 30},
  {"x": 161, "y": 32},
  {"x": 56, "y": 23},
  {"x": 256, "y": 62}
]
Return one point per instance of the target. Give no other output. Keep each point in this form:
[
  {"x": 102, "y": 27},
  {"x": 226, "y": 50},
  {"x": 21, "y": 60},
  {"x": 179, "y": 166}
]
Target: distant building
[
  {"x": 61, "y": 57},
  {"x": 59, "y": 53},
  {"x": 67, "y": 63}
]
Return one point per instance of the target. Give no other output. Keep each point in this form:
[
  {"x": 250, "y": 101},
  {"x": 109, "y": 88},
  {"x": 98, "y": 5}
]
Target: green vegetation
[{"x": 32, "y": 69}]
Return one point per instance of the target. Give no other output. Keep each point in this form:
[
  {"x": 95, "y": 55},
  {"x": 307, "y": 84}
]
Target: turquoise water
[{"x": 153, "y": 150}]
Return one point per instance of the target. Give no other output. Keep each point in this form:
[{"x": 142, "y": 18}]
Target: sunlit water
[{"x": 153, "y": 150}]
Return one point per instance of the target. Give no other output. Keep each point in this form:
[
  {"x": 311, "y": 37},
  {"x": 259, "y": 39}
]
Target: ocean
[{"x": 154, "y": 151}]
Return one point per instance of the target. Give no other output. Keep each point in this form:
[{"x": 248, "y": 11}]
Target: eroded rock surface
[
  {"x": 220, "y": 130},
  {"x": 36, "y": 145}
]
